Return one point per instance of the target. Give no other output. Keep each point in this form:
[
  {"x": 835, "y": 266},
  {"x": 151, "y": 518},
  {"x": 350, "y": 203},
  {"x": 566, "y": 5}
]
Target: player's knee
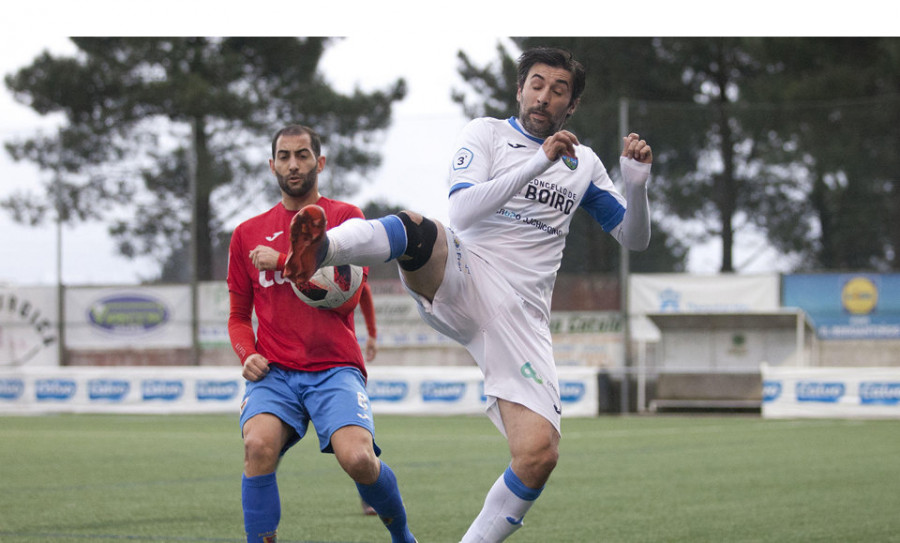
[
  {"x": 421, "y": 234},
  {"x": 543, "y": 461},
  {"x": 260, "y": 455},
  {"x": 360, "y": 464},
  {"x": 535, "y": 467},
  {"x": 549, "y": 460}
]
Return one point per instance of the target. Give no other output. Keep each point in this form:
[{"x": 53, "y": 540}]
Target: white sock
[
  {"x": 504, "y": 509},
  {"x": 361, "y": 242}
]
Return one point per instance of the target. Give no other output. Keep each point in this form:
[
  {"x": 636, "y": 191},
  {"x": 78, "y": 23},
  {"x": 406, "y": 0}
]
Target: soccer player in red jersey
[{"x": 303, "y": 364}]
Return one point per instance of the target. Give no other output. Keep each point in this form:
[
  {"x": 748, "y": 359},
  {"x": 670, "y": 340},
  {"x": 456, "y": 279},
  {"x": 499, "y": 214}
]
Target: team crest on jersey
[{"x": 570, "y": 162}]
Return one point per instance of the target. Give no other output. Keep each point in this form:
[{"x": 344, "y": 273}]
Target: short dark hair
[
  {"x": 298, "y": 130},
  {"x": 557, "y": 58}
]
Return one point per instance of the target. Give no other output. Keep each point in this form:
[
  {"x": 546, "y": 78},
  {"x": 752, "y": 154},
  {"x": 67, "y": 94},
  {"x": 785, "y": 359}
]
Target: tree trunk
[
  {"x": 726, "y": 184},
  {"x": 202, "y": 190}
]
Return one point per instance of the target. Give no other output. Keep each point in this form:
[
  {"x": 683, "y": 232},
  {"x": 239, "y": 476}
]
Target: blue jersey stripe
[
  {"x": 603, "y": 207},
  {"x": 460, "y": 186},
  {"x": 515, "y": 124}
]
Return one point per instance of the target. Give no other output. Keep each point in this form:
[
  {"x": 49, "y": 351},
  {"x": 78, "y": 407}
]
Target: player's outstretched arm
[{"x": 637, "y": 156}]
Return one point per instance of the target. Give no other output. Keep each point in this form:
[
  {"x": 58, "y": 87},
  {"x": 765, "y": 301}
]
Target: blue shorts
[{"x": 331, "y": 399}]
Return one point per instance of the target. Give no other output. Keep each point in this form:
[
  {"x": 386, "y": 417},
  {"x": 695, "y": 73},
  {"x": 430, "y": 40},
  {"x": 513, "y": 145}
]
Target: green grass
[{"x": 77, "y": 478}]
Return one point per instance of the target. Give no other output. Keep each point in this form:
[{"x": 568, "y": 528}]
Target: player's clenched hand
[
  {"x": 559, "y": 144},
  {"x": 637, "y": 149},
  {"x": 255, "y": 367},
  {"x": 264, "y": 258}
]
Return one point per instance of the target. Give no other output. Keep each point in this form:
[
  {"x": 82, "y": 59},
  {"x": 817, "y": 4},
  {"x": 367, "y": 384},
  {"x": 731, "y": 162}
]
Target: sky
[{"x": 380, "y": 44}]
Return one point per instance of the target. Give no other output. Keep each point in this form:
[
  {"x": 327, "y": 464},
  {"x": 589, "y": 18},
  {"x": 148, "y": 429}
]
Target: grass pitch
[{"x": 77, "y": 478}]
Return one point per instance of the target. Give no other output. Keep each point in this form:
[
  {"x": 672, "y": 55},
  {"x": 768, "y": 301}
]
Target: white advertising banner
[
  {"x": 683, "y": 293},
  {"x": 213, "y": 306},
  {"x": 148, "y": 317},
  {"x": 793, "y": 392},
  {"x": 460, "y": 390},
  {"x": 135, "y": 390},
  {"x": 29, "y": 326},
  {"x": 139, "y": 390}
]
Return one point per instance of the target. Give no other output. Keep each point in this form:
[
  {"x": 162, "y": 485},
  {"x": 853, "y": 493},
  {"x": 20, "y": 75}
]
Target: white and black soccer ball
[{"x": 330, "y": 286}]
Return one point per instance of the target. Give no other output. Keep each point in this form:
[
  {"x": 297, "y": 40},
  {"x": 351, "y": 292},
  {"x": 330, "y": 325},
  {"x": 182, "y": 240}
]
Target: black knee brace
[{"x": 420, "y": 240}]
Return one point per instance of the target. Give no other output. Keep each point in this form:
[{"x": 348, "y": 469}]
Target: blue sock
[
  {"x": 262, "y": 507},
  {"x": 384, "y": 496}
]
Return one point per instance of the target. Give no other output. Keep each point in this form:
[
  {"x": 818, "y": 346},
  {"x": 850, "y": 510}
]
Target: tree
[
  {"x": 838, "y": 104},
  {"x": 147, "y": 116},
  {"x": 798, "y": 141},
  {"x": 731, "y": 161}
]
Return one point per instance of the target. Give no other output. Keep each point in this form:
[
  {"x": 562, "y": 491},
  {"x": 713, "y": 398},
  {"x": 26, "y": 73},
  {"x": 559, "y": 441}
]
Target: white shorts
[{"x": 509, "y": 340}]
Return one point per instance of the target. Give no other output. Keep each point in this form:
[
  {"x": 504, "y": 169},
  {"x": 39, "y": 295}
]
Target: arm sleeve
[
  {"x": 367, "y": 306},
  {"x": 240, "y": 292},
  {"x": 634, "y": 230},
  {"x": 471, "y": 202},
  {"x": 240, "y": 326}
]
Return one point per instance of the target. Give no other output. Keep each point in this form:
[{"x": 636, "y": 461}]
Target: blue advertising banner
[{"x": 847, "y": 306}]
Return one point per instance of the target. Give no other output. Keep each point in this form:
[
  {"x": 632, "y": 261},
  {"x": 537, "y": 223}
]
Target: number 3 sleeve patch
[{"x": 462, "y": 159}]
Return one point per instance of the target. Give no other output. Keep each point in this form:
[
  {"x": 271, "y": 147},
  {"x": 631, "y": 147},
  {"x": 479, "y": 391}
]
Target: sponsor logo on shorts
[
  {"x": 362, "y": 400},
  {"x": 112, "y": 390},
  {"x": 528, "y": 372}
]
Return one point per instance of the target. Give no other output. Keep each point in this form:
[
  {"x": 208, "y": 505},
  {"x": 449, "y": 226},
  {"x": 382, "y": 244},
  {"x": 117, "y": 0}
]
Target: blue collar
[{"x": 515, "y": 124}]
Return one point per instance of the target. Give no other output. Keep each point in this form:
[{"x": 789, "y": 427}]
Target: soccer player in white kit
[{"x": 486, "y": 280}]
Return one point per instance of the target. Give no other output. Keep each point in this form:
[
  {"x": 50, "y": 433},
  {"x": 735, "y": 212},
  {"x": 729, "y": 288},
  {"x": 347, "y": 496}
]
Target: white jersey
[{"x": 525, "y": 238}]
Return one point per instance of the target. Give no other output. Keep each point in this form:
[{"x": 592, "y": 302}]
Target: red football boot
[{"x": 308, "y": 244}]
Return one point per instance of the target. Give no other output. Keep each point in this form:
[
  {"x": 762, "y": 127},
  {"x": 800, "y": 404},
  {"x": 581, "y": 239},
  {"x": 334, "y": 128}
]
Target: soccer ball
[{"x": 330, "y": 286}]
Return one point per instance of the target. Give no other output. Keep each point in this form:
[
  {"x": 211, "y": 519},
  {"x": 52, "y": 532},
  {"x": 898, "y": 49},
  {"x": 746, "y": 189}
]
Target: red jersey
[{"x": 290, "y": 333}]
